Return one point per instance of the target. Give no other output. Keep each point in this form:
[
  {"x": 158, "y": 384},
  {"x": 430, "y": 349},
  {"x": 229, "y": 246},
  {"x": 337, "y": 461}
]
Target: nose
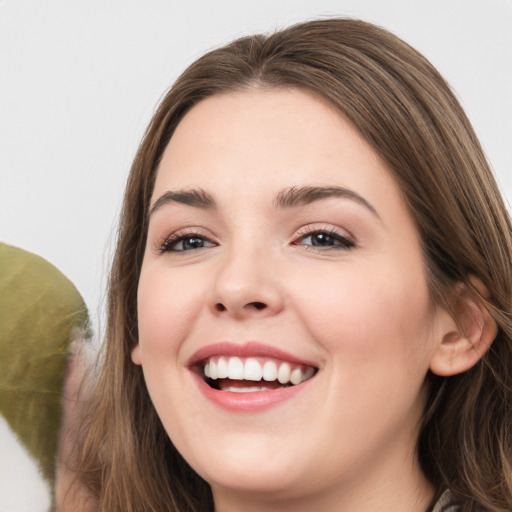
[{"x": 246, "y": 285}]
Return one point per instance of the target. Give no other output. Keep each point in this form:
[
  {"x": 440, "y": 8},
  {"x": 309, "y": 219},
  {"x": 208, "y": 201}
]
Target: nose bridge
[{"x": 246, "y": 281}]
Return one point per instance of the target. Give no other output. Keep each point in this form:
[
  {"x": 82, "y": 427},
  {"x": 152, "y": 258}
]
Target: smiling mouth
[{"x": 252, "y": 374}]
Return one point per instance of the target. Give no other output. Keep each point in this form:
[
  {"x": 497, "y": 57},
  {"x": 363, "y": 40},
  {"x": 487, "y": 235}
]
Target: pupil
[
  {"x": 320, "y": 239},
  {"x": 193, "y": 243}
]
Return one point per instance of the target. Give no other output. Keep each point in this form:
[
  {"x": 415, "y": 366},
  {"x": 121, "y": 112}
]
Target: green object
[{"x": 39, "y": 310}]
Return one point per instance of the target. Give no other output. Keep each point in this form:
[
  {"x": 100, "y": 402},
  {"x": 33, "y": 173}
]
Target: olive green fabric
[{"x": 39, "y": 308}]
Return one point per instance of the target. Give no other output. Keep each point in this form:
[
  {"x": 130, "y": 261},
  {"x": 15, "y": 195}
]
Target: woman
[{"x": 309, "y": 305}]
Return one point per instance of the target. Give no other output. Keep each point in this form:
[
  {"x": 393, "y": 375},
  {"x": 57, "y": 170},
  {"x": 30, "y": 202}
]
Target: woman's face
[{"x": 279, "y": 248}]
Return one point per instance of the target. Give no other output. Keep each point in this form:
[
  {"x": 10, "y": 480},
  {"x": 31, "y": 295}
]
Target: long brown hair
[{"x": 405, "y": 110}]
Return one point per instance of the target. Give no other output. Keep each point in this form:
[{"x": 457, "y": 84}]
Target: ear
[
  {"x": 466, "y": 332},
  {"x": 136, "y": 354}
]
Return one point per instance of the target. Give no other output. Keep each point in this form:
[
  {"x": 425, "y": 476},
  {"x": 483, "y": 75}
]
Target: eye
[
  {"x": 325, "y": 239},
  {"x": 185, "y": 242}
]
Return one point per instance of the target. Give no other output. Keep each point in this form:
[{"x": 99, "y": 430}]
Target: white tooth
[
  {"x": 296, "y": 376},
  {"x": 207, "y": 370},
  {"x": 222, "y": 368},
  {"x": 250, "y": 389},
  {"x": 252, "y": 369},
  {"x": 213, "y": 370},
  {"x": 269, "y": 371},
  {"x": 283, "y": 374},
  {"x": 235, "y": 368}
]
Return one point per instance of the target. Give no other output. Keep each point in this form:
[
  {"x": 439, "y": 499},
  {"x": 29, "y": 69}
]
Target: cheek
[
  {"x": 368, "y": 316},
  {"x": 168, "y": 306},
  {"x": 168, "y": 303}
]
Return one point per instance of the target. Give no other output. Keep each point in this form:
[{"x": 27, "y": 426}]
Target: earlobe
[
  {"x": 135, "y": 354},
  {"x": 466, "y": 332}
]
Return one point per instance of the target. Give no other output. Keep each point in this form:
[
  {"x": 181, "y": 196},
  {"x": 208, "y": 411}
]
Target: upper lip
[{"x": 246, "y": 349}]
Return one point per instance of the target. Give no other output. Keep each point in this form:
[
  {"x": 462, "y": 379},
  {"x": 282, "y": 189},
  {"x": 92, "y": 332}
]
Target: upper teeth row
[{"x": 250, "y": 368}]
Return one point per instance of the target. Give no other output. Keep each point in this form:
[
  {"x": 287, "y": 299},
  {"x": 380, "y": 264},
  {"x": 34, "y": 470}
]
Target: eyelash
[
  {"x": 340, "y": 242},
  {"x": 170, "y": 243}
]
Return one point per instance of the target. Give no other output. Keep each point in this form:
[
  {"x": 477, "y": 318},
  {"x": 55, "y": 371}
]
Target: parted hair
[{"x": 406, "y": 111}]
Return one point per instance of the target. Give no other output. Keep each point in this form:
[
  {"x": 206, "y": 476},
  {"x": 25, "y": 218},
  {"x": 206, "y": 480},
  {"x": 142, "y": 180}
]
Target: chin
[
  {"x": 266, "y": 481},
  {"x": 260, "y": 470}
]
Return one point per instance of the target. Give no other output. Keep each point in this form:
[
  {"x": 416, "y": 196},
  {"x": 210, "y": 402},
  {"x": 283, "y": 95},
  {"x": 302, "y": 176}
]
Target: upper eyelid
[
  {"x": 189, "y": 231},
  {"x": 320, "y": 227}
]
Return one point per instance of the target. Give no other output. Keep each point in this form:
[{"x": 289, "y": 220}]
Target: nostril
[
  {"x": 258, "y": 305},
  {"x": 219, "y": 307}
]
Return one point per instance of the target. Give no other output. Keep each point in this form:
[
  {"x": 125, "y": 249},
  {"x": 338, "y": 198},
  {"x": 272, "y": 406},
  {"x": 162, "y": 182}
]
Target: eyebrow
[
  {"x": 287, "y": 198},
  {"x": 197, "y": 198},
  {"x": 299, "y": 196}
]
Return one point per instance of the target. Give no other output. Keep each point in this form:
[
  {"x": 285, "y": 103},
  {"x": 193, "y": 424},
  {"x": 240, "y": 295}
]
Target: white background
[{"x": 79, "y": 81}]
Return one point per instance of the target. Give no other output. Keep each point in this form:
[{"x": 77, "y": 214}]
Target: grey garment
[{"x": 445, "y": 504}]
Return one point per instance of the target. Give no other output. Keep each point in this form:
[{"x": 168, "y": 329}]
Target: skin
[{"x": 361, "y": 314}]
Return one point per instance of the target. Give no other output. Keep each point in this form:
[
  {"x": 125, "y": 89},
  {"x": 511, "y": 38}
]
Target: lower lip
[{"x": 253, "y": 401}]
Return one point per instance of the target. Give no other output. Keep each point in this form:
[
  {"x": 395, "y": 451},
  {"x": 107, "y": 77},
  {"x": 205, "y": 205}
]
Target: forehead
[{"x": 265, "y": 139}]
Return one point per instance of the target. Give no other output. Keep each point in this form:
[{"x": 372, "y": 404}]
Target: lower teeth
[
  {"x": 244, "y": 390},
  {"x": 250, "y": 388}
]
